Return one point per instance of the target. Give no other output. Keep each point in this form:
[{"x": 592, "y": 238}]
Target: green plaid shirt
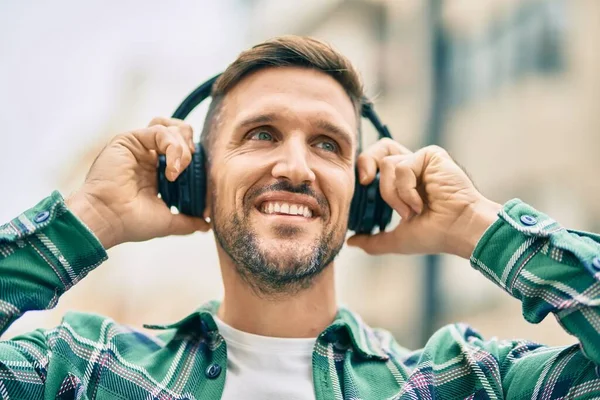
[{"x": 47, "y": 250}]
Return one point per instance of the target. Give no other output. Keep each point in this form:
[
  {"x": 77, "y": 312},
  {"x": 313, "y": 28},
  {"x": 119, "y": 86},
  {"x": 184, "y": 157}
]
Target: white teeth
[{"x": 270, "y": 207}]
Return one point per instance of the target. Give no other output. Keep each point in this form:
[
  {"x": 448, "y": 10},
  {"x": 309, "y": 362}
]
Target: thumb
[
  {"x": 380, "y": 243},
  {"x": 404, "y": 239},
  {"x": 184, "y": 225}
]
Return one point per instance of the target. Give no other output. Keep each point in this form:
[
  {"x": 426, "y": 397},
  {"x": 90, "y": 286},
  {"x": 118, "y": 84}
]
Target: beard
[{"x": 283, "y": 270}]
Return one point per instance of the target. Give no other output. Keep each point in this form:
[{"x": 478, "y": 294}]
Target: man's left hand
[{"x": 441, "y": 210}]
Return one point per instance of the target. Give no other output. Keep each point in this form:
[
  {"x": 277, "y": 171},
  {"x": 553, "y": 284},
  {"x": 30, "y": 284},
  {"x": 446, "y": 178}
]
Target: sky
[{"x": 75, "y": 73}]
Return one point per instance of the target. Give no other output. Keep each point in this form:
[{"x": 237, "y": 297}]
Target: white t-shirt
[{"x": 266, "y": 368}]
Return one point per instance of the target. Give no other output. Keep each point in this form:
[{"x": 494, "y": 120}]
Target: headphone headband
[
  {"x": 200, "y": 94},
  {"x": 203, "y": 91}
]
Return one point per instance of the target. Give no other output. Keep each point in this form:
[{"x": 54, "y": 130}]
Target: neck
[{"x": 305, "y": 314}]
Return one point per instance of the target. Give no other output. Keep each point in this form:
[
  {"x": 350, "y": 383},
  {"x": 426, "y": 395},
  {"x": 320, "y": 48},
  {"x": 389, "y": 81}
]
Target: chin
[
  {"x": 303, "y": 244},
  {"x": 293, "y": 244}
]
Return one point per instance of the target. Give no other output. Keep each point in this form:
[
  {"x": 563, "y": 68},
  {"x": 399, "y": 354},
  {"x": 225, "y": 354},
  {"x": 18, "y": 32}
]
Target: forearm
[
  {"x": 43, "y": 252},
  {"x": 546, "y": 267}
]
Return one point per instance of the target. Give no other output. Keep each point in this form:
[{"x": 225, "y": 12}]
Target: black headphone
[{"x": 188, "y": 192}]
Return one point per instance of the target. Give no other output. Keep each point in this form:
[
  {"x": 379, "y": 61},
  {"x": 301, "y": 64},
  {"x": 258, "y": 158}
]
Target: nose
[{"x": 292, "y": 163}]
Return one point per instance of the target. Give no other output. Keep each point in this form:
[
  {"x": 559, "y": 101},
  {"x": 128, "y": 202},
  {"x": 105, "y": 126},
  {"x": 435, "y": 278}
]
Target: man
[{"x": 281, "y": 138}]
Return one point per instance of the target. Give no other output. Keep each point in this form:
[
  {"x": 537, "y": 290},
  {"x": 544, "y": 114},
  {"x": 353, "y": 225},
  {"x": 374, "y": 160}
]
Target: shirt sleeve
[
  {"x": 548, "y": 268},
  {"x": 43, "y": 252}
]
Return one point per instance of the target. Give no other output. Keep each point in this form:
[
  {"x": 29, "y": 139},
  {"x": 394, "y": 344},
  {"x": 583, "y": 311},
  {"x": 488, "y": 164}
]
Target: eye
[
  {"x": 261, "y": 135},
  {"x": 328, "y": 145}
]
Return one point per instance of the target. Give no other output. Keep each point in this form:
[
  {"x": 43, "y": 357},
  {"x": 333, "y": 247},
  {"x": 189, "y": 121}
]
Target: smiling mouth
[{"x": 285, "y": 208}]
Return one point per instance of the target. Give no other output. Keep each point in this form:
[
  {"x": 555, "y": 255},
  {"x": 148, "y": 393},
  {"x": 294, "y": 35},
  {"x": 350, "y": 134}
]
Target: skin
[
  {"x": 271, "y": 140},
  {"x": 286, "y": 141},
  {"x": 309, "y": 141}
]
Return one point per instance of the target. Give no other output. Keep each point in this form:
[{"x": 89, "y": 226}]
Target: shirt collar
[{"x": 347, "y": 325}]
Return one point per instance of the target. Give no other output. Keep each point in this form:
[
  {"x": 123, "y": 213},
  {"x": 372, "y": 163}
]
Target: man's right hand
[{"x": 118, "y": 200}]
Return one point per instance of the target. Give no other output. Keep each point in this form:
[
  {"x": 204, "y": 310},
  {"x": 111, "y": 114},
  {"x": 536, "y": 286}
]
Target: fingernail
[
  {"x": 362, "y": 175},
  {"x": 177, "y": 165}
]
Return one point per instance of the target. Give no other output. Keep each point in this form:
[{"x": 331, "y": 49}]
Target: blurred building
[
  {"x": 511, "y": 86},
  {"x": 523, "y": 118},
  {"x": 517, "y": 99}
]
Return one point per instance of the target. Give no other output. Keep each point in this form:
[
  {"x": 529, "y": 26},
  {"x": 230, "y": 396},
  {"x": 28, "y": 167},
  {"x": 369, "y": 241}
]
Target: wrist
[
  {"x": 472, "y": 224},
  {"x": 84, "y": 207}
]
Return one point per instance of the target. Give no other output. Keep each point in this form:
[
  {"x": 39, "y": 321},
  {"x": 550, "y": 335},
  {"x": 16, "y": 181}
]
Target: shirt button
[
  {"x": 596, "y": 263},
  {"x": 213, "y": 371},
  {"x": 528, "y": 220},
  {"x": 41, "y": 217}
]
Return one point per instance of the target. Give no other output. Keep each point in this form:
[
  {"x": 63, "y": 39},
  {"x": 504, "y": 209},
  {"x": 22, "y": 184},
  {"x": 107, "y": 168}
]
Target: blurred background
[{"x": 511, "y": 88}]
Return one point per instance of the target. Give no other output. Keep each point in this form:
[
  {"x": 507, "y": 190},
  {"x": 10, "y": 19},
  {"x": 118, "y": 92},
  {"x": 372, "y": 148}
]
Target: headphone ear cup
[
  {"x": 356, "y": 220},
  {"x": 188, "y": 193},
  {"x": 169, "y": 191},
  {"x": 368, "y": 209},
  {"x": 197, "y": 182}
]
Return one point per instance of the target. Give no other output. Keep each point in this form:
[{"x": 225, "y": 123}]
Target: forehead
[{"x": 293, "y": 91}]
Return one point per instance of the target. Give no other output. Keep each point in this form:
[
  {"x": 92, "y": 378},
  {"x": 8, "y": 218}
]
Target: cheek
[
  {"x": 339, "y": 189},
  {"x": 232, "y": 180}
]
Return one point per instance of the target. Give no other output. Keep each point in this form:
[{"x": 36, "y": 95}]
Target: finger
[
  {"x": 186, "y": 156},
  {"x": 388, "y": 187},
  {"x": 163, "y": 141},
  {"x": 186, "y": 129},
  {"x": 380, "y": 243},
  {"x": 408, "y": 173},
  {"x": 367, "y": 168},
  {"x": 368, "y": 160},
  {"x": 184, "y": 225}
]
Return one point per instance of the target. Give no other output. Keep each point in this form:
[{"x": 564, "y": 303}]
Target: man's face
[{"x": 282, "y": 175}]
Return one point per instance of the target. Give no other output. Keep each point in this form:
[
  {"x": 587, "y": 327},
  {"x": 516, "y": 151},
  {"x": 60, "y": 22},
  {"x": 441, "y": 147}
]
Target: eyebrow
[
  {"x": 334, "y": 130},
  {"x": 323, "y": 124},
  {"x": 258, "y": 119}
]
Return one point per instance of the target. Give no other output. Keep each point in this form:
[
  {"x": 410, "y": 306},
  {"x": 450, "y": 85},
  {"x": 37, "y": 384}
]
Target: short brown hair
[{"x": 284, "y": 51}]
